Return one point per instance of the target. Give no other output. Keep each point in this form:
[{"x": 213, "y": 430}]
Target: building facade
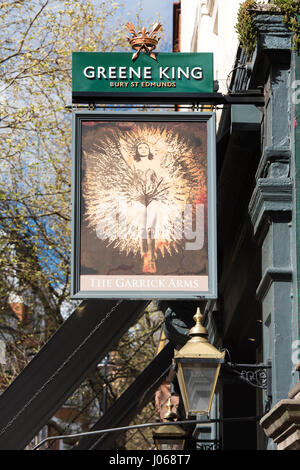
[{"x": 256, "y": 316}]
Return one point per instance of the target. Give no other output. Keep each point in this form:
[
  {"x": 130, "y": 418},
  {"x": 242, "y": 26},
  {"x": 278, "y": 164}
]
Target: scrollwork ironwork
[
  {"x": 256, "y": 375},
  {"x": 256, "y": 378},
  {"x": 208, "y": 444}
]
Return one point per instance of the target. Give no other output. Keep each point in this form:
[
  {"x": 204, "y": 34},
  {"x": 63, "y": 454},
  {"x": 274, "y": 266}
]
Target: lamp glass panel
[
  {"x": 199, "y": 382},
  {"x": 170, "y": 444}
]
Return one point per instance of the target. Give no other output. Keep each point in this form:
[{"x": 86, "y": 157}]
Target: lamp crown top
[
  {"x": 198, "y": 316},
  {"x": 169, "y": 404},
  {"x": 198, "y": 329},
  {"x": 170, "y": 416}
]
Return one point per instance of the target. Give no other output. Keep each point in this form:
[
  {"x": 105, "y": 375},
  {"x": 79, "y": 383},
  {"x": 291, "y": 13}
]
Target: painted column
[
  {"x": 295, "y": 86},
  {"x": 271, "y": 206}
]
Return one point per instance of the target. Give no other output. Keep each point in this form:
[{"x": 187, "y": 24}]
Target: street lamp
[
  {"x": 170, "y": 437},
  {"x": 107, "y": 366},
  {"x": 198, "y": 365}
]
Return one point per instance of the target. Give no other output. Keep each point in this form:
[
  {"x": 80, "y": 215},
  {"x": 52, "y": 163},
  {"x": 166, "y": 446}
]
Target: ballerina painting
[{"x": 144, "y": 200}]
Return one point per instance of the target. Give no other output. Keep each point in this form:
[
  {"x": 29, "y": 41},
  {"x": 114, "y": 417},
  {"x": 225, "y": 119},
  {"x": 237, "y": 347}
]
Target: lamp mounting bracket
[{"x": 256, "y": 375}]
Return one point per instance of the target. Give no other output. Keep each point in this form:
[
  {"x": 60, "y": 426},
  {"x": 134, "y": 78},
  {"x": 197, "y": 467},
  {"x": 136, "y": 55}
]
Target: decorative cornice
[
  {"x": 273, "y": 33},
  {"x": 273, "y": 274},
  {"x": 273, "y": 155},
  {"x": 271, "y": 197},
  {"x": 295, "y": 391},
  {"x": 282, "y": 424}
]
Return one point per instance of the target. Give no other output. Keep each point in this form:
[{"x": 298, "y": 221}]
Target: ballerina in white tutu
[{"x": 136, "y": 188}]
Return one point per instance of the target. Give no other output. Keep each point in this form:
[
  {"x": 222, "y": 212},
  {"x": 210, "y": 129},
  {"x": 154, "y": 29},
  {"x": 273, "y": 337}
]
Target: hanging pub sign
[
  {"x": 144, "y": 205},
  {"x": 121, "y": 76},
  {"x": 100, "y": 76}
]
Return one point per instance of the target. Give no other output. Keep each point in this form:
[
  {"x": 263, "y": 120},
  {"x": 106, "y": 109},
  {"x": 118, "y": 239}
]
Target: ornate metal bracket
[
  {"x": 256, "y": 375},
  {"x": 208, "y": 444}
]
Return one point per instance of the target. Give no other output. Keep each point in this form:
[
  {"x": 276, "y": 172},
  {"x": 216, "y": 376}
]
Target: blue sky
[{"x": 151, "y": 11}]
